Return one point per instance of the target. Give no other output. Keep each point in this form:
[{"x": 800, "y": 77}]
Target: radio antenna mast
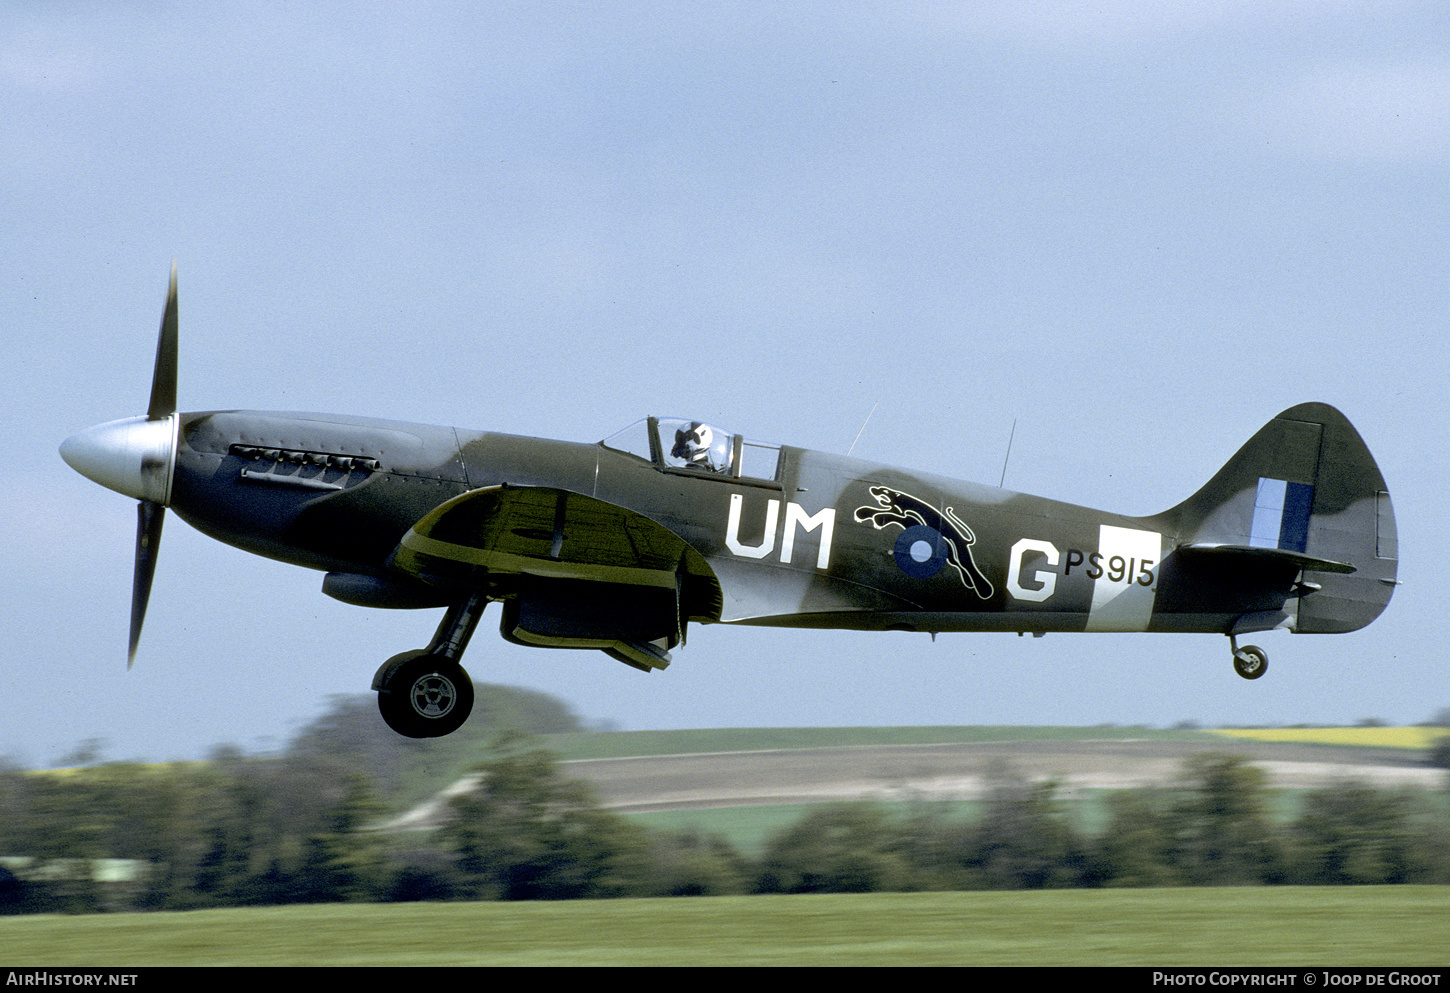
[
  {"x": 863, "y": 427},
  {"x": 1008, "y": 455}
]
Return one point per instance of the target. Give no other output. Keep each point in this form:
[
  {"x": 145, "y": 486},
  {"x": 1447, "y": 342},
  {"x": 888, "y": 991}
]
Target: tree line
[{"x": 301, "y": 828}]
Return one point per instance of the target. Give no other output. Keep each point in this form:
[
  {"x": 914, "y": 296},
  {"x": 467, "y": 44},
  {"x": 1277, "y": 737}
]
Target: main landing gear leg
[
  {"x": 1251, "y": 662},
  {"x": 426, "y": 693}
]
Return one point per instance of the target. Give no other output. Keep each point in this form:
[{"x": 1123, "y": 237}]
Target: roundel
[{"x": 920, "y": 552}]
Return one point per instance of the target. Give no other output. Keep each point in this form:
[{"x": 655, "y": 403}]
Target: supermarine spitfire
[{"x": 621, "y": 544}]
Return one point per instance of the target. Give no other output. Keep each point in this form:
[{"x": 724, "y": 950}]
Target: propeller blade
[
  {"x": 150, "y": 515},
  {"x": 163, "y": 378}
]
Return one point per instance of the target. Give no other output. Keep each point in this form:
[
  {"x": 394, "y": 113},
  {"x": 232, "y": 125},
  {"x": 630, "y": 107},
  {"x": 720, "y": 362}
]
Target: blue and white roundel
[{"x": 920, "y": 552}]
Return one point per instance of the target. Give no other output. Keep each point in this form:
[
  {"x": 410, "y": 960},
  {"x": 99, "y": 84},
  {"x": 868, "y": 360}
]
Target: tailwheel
[
  {"x": 424, "y": 696},
  {"x": 1251, "y": 662}
]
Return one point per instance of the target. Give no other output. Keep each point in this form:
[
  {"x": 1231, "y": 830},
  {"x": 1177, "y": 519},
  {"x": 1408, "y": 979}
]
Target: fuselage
[{"x": 827, "y": 541}]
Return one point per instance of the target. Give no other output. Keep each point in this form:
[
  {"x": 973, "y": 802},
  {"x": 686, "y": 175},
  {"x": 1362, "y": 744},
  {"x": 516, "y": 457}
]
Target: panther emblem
[{"x": 930, "y": 539}]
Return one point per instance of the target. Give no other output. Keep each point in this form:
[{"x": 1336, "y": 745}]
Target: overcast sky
[{"x": 1140, "y": 230}]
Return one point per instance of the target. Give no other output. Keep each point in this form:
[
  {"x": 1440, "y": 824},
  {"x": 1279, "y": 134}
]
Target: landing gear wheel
[
  {"x": 1251, "y": 662},
  {"x": 424, "y": 696}
]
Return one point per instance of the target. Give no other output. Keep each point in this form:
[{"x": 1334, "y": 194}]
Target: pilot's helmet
[{"x": 692, "y": 443}]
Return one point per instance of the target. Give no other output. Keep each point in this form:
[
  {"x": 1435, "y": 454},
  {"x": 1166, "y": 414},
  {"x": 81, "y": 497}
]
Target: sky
[{"x": 1135, "y": 231}]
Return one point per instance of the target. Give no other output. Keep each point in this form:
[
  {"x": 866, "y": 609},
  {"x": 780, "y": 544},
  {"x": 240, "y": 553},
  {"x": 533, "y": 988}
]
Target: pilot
[{"x": 692, "y": 443}]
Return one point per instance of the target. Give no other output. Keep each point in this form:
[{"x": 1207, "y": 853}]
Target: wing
[
  {"x": 486, "y": 536},
  {"x": 575, "y": 571}
]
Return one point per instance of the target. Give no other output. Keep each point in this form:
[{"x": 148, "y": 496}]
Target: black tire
[
  {"x": 424, "y": 696},
  {"x": 1251, "y": 662}
]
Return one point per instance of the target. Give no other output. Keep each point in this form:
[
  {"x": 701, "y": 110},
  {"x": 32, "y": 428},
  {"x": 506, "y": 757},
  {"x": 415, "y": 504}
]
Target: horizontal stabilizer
[{"x": 1252, "y": 554}]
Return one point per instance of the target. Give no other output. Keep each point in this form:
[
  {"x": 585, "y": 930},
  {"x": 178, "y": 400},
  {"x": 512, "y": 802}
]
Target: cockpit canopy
[{"x": 694, "y": 446}]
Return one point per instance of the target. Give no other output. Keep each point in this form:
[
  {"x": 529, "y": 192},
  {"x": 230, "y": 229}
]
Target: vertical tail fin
[{"x": 1304, "y": 490}]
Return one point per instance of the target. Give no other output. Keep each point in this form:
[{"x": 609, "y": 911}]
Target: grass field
[{"x": 1358, "y": 926}]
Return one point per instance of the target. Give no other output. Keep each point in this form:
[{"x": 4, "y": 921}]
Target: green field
[
  {"x": 618, "y": 744},
  {"x": 749, "y": 828},
  {"x": 436, "y": 763},
  {"x": 1330, "y": 926}
]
